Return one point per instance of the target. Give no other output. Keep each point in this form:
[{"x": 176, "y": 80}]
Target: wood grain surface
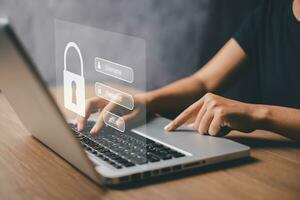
[{"x": 29, "y": 170}]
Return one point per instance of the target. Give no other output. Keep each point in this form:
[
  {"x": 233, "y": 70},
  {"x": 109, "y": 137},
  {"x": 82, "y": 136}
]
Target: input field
[
  {"x": 114, "y": 69},
  {"x": 116, "y": 96},
  {"x": 114, "y": 121}
]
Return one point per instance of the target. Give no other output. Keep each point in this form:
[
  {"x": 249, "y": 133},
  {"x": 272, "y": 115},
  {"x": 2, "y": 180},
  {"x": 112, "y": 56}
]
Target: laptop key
[
  {"x": 99, "y": 155},
  {"x": 178, "y": 155},
  {"x": 152, "y": 158},
  {"x": 166, "y": 156},
  {"x": 128, "y": 164}
]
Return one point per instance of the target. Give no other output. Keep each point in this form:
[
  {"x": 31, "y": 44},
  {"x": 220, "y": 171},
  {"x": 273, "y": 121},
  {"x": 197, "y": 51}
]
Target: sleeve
[{"x": 248, "y": 33}]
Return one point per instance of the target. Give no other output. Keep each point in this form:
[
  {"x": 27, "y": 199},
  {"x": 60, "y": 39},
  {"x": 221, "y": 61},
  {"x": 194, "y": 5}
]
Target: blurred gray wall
[{"x": 181, "y": 35}]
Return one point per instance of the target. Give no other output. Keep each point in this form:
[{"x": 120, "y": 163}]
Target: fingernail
[
  {"x": 92, "y": 131},
  {"x": 78, "y": 127},
  {"x": 168, "y": 127},
  {"x": 118, "y": 123}
]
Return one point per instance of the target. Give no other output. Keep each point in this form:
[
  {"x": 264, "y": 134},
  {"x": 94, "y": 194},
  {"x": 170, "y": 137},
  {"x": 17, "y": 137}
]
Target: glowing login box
[
  {"x": 114, "y": 121},
  {"x": 114, "y": 69},
  {"x": 116, "y": 96}
]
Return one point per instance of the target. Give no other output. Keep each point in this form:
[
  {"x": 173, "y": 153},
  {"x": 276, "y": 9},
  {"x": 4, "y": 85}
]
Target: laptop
[{"x": 110, "y": 157}]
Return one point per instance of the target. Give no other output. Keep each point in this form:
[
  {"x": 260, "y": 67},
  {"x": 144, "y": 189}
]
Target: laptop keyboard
[{"x": 123, "y": 150}]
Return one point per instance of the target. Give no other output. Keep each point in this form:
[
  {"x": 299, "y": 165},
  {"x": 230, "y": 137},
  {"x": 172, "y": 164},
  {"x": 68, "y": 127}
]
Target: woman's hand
[
  {"x": 98, "y": 104},
  {"x": 212, "y": 113}
]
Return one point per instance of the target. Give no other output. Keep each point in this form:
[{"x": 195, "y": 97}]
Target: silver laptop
[{"x": 111, "y": 157}]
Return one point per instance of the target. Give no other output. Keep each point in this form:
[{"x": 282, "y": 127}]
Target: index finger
[
  {"x": 92, "y": 106},
  {"x": 184, "y": 116},
  {"x": 108, "y": 108}
]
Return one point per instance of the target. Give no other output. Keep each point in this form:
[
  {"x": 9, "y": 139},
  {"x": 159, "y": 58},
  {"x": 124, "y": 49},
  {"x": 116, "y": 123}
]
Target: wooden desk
[{"x": 29, "y": 170}]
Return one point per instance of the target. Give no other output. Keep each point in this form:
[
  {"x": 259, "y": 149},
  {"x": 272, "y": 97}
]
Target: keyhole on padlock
[{"x": 74, "y": 92}]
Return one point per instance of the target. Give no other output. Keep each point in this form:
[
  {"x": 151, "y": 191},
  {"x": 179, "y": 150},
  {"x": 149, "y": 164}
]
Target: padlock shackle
[{"x": 74, "y": 45}]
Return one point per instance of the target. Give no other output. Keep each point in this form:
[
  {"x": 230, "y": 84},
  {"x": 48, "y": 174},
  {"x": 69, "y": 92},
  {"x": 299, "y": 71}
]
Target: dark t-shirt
[{"x": 271, "y": 39}]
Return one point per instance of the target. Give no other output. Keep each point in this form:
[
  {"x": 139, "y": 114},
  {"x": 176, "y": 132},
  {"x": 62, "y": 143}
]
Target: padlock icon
[{"x": 74, "y": 85}]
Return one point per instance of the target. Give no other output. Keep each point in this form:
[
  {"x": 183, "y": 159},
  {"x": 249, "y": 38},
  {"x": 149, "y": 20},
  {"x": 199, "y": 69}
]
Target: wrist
[
  {"x": 151, "y": 100},
  {"x": 260, "y": 115}
]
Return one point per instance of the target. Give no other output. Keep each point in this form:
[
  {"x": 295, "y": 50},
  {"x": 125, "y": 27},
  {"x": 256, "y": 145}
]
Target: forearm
[
  {"x": 177, "y": 95},
  {"x": 209, "y": 78},
  {"x": 282, "y": 120}
]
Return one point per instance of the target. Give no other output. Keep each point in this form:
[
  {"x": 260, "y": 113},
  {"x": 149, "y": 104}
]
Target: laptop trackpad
[{"x": 187, "y": 140}]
